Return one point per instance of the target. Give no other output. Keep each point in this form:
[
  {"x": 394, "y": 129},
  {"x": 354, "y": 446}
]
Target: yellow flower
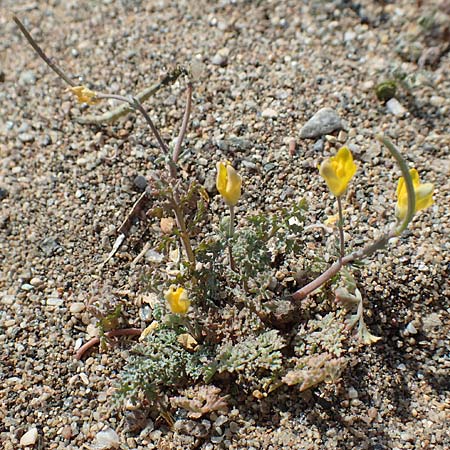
[
  {"x": 177, "y": 299},
  {"x": 84, "y": 95},
  {"x": 228, "y": 183},
  {"x": 423, "y": 193},
  {"x": 338, "y": 171}
]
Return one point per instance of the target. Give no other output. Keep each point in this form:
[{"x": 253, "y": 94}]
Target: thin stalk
[
  {"x": 187, "y": 113},
  {"x": 230, "y": 236},
  {"x": 137, "y": 105},
  {"x": 336, "y": 267},
  {"x": 408, "y": 182},
  {"x": 41, "y": 53},
  {"x": 181, "y": 224},
  {"x": 341, "y": 229}
]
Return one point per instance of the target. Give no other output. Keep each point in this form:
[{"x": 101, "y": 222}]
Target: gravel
[{"x": 269, "y": 67}]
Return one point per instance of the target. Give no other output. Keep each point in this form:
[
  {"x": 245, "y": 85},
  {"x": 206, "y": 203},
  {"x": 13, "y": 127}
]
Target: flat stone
[
  {"x": 325, "y": 121},
  {"x": 55, "y": 301},
  {"x": 29, "y": 438},
  {"x": 26, "y": 137},
  {"x": 77, "y": 307},
  {"x": 269, "y": 113}
]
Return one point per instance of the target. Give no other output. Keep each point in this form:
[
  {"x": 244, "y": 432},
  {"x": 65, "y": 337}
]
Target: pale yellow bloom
[
  {"x": 338, "y": 171},
  {"x": 423, "y": 193},
  {"x": 178, "y": 299},
  {"x": 84, "y": 95},
  {"x": 228, "y": 183}
]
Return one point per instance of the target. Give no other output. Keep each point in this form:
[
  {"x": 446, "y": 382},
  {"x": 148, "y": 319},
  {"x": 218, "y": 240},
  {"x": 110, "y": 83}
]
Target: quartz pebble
[
  {"x": 107, "y": 439},
  {"x": 77, "y": 307},
  {"x": 29, "y": 438},
  {"x": 395, "y": 107}
]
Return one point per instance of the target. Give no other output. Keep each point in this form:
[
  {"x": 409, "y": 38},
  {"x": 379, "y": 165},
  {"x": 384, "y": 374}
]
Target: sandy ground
[{"x": 269, "y": 66}]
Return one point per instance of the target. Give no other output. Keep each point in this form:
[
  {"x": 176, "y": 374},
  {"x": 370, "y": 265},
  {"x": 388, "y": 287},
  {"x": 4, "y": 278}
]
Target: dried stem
[
  {"x": 187, "y": 113},
  {"x": 181, "y": 224},
  {"x": 109, "y": 334},
  {"x": 41, "y": 53}
]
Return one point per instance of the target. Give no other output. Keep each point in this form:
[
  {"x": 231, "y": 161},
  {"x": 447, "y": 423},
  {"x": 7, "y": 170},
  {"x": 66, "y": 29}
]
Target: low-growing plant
[{"x": 228, "y": 308}]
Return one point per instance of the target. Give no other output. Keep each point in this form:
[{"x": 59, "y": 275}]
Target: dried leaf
[{"x": 187, "y": 342}]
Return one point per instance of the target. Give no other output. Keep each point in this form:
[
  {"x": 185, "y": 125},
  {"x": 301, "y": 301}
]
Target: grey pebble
[
  {"x": 325, "y": 121},
  {"x": 220, "y": 58},
  {"x": 140, "y": 182},
  {"x": 318, "y": 146},
  {"x": 3, "y": 193},
  {"x": 49, "y": 245}
]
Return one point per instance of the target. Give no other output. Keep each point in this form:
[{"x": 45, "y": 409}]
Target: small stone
[
  {"x": 55, "y": 301},
  {"x": 411, "y": 329},
  {"x": 349, "y": 35},
  {"x": 140, "y": 183},
  {"x": 49, "y": 245},
  {"x": 221, "y": 57},
  {"x": 342, "y": 136},
  {"x": 36, "y": 282},
  {"x": 27, "y": 77},
  {"x": 77, "y": 307},
  {"x": 107, "y": 439},
  {"x": 8, "y": 299},
  {"x": 318, "y": 146},
  {"x": 269, "y": 113},
  {"x": 29, "y": 438},
  {"x": 352, "y": 393},
  {"x": 325, "y": 121},
  {"x": 66, "y": 432},
  {"x": 26, "y": 137},
  {"x": 26, "y": 287},
  {"x": 395, "y": 107},
  {"x": 3, "y": 193}
]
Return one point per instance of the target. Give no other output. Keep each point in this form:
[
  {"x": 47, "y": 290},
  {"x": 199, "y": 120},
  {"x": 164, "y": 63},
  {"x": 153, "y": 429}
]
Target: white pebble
[
  {"x": 411, "y": 329},
  {"x": 395, "y": 107},
  {"x": 106, "y": 439},
  {"x": 77, "y": 307},
  {"x": 29, "y": 438},
  {"x": 54, "y": 301}
]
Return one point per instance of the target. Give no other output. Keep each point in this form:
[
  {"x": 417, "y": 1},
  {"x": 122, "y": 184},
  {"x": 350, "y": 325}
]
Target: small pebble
[
  {"x": 325, "y": 121},
  {"x": 55, "y": 301},
  {"x": 36, "y": 282},
  {"x": 107, "y": 439},
  {"x": 395, "y": 107},
  {"x": 269, "y": 113},
  {"x": 27, "y": 77},
  {"x": 77, "y": 307},
  {"x": 29, "y": 438}
]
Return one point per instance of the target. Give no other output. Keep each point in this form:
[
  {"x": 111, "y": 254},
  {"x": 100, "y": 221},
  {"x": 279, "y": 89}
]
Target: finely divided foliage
[{"x": 229, "y": 304}]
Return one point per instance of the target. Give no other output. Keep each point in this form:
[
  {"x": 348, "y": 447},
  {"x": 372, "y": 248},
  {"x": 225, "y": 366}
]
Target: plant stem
[
  {"x": 230, "y": 236},
  {"x": 181, "y": 224},
  {"x": 41, "y": 53},
  {"x": 408, "y": 182},
  {"x": 187, "y": 113},
  {"x": 137, "y": 105},
  {"x": 337, "y": 266},
  {"x": 341, "y": 229}
]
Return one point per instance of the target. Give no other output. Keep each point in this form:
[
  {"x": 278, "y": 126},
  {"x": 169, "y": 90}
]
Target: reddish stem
[{"x": 109, "y": 334}]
